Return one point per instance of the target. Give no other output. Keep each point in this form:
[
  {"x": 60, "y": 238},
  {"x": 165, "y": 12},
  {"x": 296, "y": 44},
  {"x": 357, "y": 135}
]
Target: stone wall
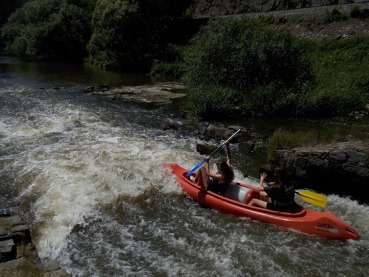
[
  {"x": 341, "y": 168},
  {"x": 211, "y": 8}
]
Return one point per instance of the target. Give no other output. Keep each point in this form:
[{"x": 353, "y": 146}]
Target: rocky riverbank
[
  {"x": 18, "y": 255},
  {"x": 341, "y": 168}
]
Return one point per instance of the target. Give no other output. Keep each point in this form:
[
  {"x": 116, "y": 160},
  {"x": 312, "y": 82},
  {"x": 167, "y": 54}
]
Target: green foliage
[
  {"x": 7, "y": 7},
  {"x": 49, "y": 29},
  {"x": 283, "y": 139},
  {"x": 342, "y": 70},
  {"x": 163, "y": 69},
  {"x": 112, "y": 40},
  {"x": 268, "y": 72},
  {"x": 261, "y": 64},
  {"x": 272, "y": 100},
  {"x": 171, "y": 63},
  {"x": 214, "y": 102},
  {"x": 88, "y": 5},
  {"x": 128, "y": 34},
  {"x": 287, "y": 139},
  {"x": 335, "y": 15},
  {"x": 357, "y": 12}
]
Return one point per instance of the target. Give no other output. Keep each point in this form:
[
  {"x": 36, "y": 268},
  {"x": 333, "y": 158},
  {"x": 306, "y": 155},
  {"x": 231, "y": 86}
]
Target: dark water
[{"x": 86, "y": 173}]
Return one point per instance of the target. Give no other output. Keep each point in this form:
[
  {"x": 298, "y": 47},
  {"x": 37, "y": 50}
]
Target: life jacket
[{"x": 285, "y": 196}]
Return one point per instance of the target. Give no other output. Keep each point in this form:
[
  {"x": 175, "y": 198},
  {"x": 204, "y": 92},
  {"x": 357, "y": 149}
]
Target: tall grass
[{"x": 284, "y": 139}]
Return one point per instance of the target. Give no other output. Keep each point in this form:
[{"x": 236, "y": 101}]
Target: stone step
[{"x": 8, "y": 250}]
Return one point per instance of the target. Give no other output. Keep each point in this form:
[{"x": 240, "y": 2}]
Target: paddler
[
  {"x": 219, "y": 181},
  {"x": 280, "y": 196}
]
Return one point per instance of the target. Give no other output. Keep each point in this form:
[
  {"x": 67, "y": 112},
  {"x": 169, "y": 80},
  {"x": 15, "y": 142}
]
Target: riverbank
[{"x": 18, "y": 254}]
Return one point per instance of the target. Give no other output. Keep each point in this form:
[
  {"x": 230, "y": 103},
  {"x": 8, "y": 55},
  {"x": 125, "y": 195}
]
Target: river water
[{"x": 86, "y": 173}]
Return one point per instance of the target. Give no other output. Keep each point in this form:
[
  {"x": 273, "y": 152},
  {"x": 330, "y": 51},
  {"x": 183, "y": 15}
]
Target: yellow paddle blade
[{"x": 314, "y": 198}]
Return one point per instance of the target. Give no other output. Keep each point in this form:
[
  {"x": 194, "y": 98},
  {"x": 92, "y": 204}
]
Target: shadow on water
[{"x": 67, "y": 73}]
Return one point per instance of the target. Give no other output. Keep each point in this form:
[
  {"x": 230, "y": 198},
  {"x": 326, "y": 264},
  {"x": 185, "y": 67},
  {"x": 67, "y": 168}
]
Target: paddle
[
  {"x": 314, "y": 198},
  {"x": 311, "y": 197},
  {"x": 202, "y": 162}
]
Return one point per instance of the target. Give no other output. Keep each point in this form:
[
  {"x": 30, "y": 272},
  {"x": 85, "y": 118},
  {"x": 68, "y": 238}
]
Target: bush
[
  {"x": 48, "y": 29},
  {"x": 335, "y": 15},
  {"x": 257, "y": 64},
  {"x": 163, "y": 69},
  {"x": 214, "y": 102},
  {"x": 271, "y": 100},
  {"x": 170, "y": 63},
  {"x": 357, "y": 12}
]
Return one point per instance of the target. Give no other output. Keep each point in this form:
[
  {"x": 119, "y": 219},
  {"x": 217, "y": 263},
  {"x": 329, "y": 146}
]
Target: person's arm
[
  {"x": 207, "y": 167},
  {"x": 212, "y": 175},
  {"x": 228, "y": 151},
  {"x": 215, "y": 176},
  {"x": 262, "y": 178}
]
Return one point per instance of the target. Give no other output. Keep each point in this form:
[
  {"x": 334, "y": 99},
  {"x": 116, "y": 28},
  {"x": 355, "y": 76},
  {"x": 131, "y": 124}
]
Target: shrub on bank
[
  {"x": 169, "y": 63},
  {"x": 261, "y": 71},
  {"x": 335, "y": 15},
  {"x": 357, "y": 12},
  {"x": 214, "y": 102}
]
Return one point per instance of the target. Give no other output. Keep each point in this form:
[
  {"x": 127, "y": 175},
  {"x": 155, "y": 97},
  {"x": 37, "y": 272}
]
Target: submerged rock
[{"x": 159, "y": 94}]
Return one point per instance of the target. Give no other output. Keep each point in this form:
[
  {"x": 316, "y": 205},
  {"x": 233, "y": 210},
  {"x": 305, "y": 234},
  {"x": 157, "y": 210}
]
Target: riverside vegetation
[{"x": 231, "y": 67}]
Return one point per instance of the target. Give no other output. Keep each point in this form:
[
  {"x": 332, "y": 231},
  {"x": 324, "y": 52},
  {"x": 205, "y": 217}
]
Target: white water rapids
[{"x": 86, "y": 173}]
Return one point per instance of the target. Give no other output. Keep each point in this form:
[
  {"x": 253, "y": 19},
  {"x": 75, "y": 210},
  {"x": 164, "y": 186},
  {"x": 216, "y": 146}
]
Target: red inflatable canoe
[{"x": 237, "y": 196}]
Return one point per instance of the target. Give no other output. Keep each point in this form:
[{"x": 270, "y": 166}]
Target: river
[{"x": 86, "y": 173}]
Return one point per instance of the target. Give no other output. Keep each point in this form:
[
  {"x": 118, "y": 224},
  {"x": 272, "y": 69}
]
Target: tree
[
  {"x": 7, "y": 7},
  {"x": 113, "y": 43},
  {"x": 129, "y": 34},
  {"x": 51, "y": 29}
]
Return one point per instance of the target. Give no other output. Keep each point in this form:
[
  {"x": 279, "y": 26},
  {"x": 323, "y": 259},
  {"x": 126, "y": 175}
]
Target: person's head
[
  {"x": 281, "y": 176},
  {"x": 226, "y": 171}
]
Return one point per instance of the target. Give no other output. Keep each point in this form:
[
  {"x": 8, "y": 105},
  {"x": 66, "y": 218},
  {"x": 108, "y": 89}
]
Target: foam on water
[{"x": 81, "y": 162}]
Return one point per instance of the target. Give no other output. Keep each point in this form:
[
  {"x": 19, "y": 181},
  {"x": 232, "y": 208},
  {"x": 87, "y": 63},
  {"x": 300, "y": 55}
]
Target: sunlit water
[{"x": 87, "y": 174}]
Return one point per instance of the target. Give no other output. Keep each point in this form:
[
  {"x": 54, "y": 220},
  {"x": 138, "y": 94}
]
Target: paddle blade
[
  {"x": 195, "y": 168},
  {"x": 314, "y": 198}
]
